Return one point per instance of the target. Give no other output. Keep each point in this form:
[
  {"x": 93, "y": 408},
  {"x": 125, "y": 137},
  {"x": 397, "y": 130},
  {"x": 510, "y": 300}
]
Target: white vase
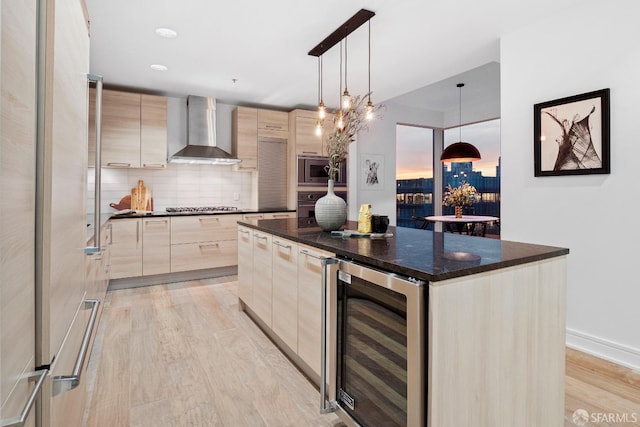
[{"x": 331, "y": 210}]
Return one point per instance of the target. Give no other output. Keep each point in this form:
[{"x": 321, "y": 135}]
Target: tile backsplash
[{"x": 178, "y": 185}]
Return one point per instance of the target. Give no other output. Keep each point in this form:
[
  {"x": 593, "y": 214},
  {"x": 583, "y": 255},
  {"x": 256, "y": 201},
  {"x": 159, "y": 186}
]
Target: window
[
  {"x": 483, "y": 174},
  {"x": 414, "y": 173}
]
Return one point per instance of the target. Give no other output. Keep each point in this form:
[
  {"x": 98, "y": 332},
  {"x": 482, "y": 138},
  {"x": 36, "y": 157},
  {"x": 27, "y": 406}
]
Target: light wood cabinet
[
  {"x": 262, "y": 276},
  {"x": 303, "y": 133},
  {"x": 281, "y": 281},
  {"x": 203, "y": 241},
  {"x": 285, "y": 291},
  {"x": 203, "y": 228},
  {"x": 126, "y": 248},
  {"x": 245, "y": 268},
  {"x": 153, "y": 131},
  {"x": 273, "y": 123},
  {"x": 309, "y": 282},
  {"x": 250, "y": 123},
  {"x": 203, "y": 255},
  {"x": 134, "y": 130},
  {"x": 18, "y": 108},
  {"x": 245, "y": 137},
  {"x": 156, "y": 248}
]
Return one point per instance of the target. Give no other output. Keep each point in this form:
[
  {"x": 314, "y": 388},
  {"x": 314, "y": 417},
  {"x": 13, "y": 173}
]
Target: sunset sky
[{"x": 414, "y": 156}]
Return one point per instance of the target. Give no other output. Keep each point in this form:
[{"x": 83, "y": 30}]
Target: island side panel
[{"x": 497, "y": 347}]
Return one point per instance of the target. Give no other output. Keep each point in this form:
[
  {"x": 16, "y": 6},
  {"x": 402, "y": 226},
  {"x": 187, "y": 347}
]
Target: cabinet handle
[
  {"x": 253, "y": 216},
  {"x": 325, "y": 406},
  {"x": 126, "y": 165},
  {"x": 245, "y": 232},
  {"x": 154, "y": 165},
  {"x": 209, "y": 245},
  {"x": 275, "y": 242},
  {"x": 258, "y": 236},
  {"x": 280, "y": 215},
  {"x": 307, "y": 253},
  {"x": 156, "y": 221},
  {"x": 110, "y": 233},
  {"x": 309, "y": 152},
  {"x": 209, "y": 219},
  {"x": 62, "y": 383},
  {"x": 20, "y": 420},
  {"x": 137, "y": 231}
]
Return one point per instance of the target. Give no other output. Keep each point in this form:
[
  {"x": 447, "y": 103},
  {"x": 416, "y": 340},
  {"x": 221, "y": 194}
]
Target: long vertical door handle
[
  {"x": 325, "y": 406},
  {"x": 22, "y": 418},
  {"x": 98, "y": 169},
  {"x": 62, "y": 383}
]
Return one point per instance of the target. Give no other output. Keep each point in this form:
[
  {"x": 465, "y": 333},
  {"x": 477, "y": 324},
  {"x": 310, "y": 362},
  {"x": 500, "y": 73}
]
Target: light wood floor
[{"x": 183, "y": 355}]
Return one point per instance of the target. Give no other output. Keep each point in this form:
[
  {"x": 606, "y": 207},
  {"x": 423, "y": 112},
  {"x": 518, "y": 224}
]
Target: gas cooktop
[{"x": 190, "y": 209}]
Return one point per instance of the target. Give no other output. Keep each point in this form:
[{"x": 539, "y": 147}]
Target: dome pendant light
[{"x": 460, "y": 151}]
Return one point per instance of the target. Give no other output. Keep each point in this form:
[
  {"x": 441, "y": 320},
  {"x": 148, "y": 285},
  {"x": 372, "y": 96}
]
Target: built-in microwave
[{"x": 314, "y": 171}]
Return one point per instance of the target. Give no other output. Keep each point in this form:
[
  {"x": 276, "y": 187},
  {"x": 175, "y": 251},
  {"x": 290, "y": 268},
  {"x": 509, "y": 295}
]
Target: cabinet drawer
[
  {"x": 203, "y": 228},
  {"x": 197, "y": 256}
]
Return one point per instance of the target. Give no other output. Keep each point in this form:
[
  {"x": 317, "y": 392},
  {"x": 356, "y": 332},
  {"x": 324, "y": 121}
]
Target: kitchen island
[{"x": 491, "y": 333}]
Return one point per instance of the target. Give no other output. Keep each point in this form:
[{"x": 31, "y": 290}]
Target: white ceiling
[{"x": 264, "y": 44}]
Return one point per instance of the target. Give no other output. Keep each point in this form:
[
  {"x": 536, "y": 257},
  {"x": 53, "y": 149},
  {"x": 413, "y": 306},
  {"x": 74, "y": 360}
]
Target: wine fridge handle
[{"x": 326, "y": 406}]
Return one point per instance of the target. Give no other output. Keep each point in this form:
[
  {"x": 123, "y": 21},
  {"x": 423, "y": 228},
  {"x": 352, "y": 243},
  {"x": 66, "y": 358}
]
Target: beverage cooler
[{"x": 375, "y": 343}]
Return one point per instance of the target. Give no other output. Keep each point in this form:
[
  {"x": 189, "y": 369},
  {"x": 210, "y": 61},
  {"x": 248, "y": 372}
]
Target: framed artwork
[
  {"x": 372, "y": 171},
  {"x": 571, "y": 135}
]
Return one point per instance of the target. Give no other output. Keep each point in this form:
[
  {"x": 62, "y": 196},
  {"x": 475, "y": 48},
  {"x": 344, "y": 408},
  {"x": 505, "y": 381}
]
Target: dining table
[{"x": 465, "y": 224}]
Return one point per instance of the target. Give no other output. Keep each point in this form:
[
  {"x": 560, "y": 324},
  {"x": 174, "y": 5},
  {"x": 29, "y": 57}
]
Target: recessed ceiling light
[
  {"x": 167, "y": 33},
  {"x": 159, "y": 67}
]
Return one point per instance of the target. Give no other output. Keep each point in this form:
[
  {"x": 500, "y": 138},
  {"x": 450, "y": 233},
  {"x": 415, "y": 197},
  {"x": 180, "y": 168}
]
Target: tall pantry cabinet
[{"x": 43, "y": 166}]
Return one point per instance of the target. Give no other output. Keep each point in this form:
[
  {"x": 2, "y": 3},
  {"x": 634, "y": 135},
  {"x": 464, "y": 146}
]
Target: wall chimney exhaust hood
[{"x": 201, "y": 135}]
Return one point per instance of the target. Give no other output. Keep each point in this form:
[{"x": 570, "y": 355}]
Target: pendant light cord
[
  {"x": 369, "y": 63},
  {"x": 340, "y": 90},
  {"x": 460, "y": 85},
  {"x": 345, "y": 63}
]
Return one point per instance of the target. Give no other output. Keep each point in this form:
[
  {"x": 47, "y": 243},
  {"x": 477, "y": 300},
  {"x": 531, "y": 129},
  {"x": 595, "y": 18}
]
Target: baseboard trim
[
  {"x": 608, "y": 350},
  {"x": 160, "y": 279}
]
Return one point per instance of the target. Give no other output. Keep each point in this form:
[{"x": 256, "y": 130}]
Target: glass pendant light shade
[
  {"x": 346, "y": 100},
  {"x": 340, "y": 120},
  {"x": 322, "y": 111},
  {"x": 319, "y": 127},
  {"x": 460, "y": 151},
  {"x": 368, "y": 115}
]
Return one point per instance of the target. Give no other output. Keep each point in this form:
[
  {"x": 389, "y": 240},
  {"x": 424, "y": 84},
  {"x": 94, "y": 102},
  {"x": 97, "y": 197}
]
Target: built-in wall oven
[
  {"x": 313, "y": 171},
  {"x": 307, "y": 206},
  {"x": 376, "y": 346}
]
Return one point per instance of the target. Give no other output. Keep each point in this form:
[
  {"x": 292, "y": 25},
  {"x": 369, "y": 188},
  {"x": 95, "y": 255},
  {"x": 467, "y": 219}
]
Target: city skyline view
[{"x": 414, "y": 156}]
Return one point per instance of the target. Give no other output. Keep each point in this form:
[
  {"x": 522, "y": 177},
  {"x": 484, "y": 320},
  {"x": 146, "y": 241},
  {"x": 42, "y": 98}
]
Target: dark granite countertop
[
  {"x": 421, "y": 254},
  {"x": 145, "y": 214}
]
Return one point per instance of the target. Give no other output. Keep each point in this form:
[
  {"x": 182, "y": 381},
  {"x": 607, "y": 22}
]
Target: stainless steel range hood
[{"x": 201, "y": 135}]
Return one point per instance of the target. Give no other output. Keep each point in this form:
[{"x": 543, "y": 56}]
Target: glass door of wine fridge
[{"x": 380, "y": 347}]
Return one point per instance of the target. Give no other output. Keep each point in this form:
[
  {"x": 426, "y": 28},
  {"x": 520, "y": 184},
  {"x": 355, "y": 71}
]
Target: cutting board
[{"x": 141, "y": 199}]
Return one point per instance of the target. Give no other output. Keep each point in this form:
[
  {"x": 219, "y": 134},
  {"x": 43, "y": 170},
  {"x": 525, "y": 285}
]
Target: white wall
[
  {"x": 381, "y": 139},
  {"x": 178, "y": 185},
  {"x": 575, "y": 51}
]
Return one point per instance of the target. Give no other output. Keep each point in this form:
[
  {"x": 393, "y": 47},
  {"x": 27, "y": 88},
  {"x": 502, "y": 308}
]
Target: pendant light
[
  {"x": 346, "y": 98},
  {"x": 340, "y": 116},
  {"x": 460, "y": 151},
  {"x": 369, "y": 108},
  {"x": 322, "y": 110}
]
